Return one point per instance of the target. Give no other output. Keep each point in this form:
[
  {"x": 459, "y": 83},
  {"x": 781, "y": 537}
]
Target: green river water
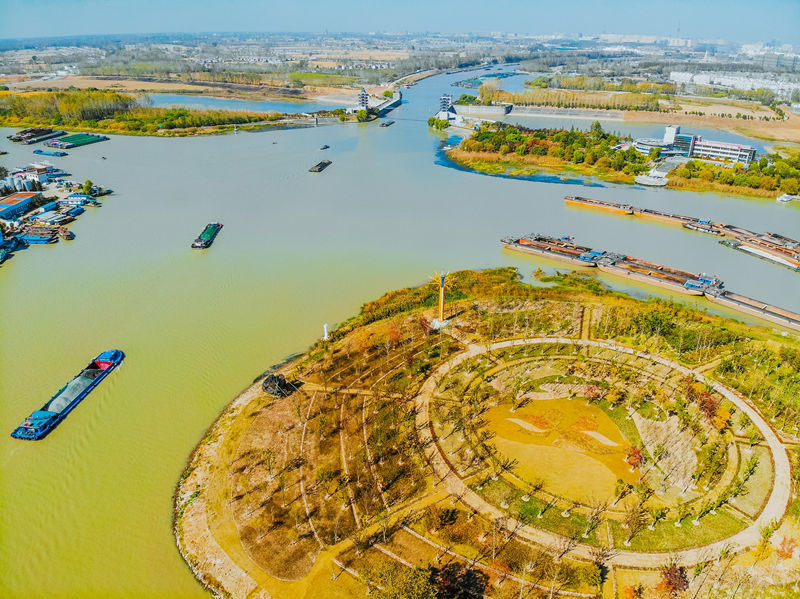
[{"x": 87, "y": 511}]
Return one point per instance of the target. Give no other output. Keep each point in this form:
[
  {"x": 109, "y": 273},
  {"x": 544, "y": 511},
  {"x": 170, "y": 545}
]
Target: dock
[{"x": 773, "y": 247}]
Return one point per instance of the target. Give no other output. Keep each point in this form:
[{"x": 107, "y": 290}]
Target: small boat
[
  {"x": 66, "y": 234},
  {"x": 103, "y": 157},
  {"x": 387, "y": 123},
  {"x": 207, "y": 236},
  {"x": 42, "y": 421},
  {"x": 3, "y": 254},
  {"x": 320, "y": 166},
  {"x": 325, "y": 147},
  {"x": 3, "y": 152}
]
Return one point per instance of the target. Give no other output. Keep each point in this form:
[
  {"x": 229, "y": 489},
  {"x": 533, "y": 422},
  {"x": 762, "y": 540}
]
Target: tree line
[{"x": 594, "y": 147}]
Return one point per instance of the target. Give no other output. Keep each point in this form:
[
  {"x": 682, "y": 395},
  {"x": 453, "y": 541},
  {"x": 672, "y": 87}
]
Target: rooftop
[{"x": 16, "y": 198}]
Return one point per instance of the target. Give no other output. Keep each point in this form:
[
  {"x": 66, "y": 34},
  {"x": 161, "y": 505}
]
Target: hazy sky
[{"x": 736, "y": 20}]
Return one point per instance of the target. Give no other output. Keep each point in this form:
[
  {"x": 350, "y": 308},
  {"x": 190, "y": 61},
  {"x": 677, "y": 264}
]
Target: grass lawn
[
  {"x": 668, "y": 537},
  {"x": 620, "y": 417},
  {"x": 495, "y": 491},
  {"x": 759, "y": 484}
]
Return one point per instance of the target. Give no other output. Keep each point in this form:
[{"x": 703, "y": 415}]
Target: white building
[{"x": 719, "y": 150}]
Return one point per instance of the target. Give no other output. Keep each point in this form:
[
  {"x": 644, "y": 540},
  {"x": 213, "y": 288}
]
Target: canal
[{"x": 87, "y": 511}]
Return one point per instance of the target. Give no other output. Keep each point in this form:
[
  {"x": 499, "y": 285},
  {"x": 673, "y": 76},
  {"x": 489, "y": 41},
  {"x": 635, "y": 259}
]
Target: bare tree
[{"x": 596, "y": 509}]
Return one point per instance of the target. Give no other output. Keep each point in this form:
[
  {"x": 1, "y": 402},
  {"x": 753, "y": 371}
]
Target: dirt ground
[
  {"x": 788, "y": 130},
  {"x": 322, "y": 93},
  {"x": 720, "y": 107},
  {"x": 124, "y": 85}
]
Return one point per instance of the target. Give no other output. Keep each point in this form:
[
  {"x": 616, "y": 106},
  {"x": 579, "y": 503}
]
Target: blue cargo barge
[
  {"x": 41, "y": 422},
  {"x": 46, "y": 153}
]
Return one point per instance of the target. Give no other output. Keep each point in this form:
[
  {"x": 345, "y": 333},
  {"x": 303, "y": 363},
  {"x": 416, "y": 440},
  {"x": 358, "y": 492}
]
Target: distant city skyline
[{"x": 733, "y": 20}]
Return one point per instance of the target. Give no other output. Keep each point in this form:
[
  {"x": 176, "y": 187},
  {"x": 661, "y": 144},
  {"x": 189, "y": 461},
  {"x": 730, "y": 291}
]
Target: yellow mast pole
[{"x": 441, "y": 299}]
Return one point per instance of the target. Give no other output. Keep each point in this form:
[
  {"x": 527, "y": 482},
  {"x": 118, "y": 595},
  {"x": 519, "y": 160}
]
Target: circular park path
[{"x": 774, "y": 509}]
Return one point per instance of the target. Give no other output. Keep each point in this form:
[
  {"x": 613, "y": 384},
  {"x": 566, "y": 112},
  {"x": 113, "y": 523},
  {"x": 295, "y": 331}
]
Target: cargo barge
[
  {"x": 674, "y": 279},
  {"x": 565, "y": 250},
  {"x": 600, "y": 204},
  {"x": 207, "y": 237},
  {"x": 42, "y": 421},
  {"x": 34, "y": 135},
  {"x": 38, "y": 235},
  {"x": 550, "y": 247},
  {"x": 47, "y": 153},
  {"x": 773, "y": 247},
  {"x": 792, "y": 263},
  {"x": 703, "y": 227},
  {"x": 756, "y": 308},
  {"x": 76, "y": 140},
  {"x": 320, "y": 166}
]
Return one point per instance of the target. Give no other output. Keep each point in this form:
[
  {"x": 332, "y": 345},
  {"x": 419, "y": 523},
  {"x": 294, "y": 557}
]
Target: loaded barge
[
  {"x": 35, "y": 134},
  {"x": 207, "y": 237},
  {"x": 768, "y": 246},
  {"x": 565, "y": 250},
  {"x": 38, "y": 235},
  {"x": 48, "y": 153},
  {"x": 549, "y": 247},
  {"x": 42, "y": 421},
  {"x": 320, "y": 166},
  {"x": 651, "y": 273}
]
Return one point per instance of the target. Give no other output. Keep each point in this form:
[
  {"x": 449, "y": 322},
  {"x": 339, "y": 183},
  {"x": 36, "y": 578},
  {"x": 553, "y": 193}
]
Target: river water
[
  {"x": 86, "y": 512},
  {"x": 213, "y": 103}
]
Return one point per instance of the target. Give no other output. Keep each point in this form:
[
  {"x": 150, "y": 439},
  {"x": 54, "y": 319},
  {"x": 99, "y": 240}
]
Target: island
[
  {"x": 513, "y": 150},
  {"x": 546, "y": 439}
]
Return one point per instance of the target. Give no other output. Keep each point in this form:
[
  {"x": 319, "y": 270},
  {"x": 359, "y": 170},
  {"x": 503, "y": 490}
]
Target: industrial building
[
  {"x": 16, "y": 204},
  {"x": 675, "y": 143}
]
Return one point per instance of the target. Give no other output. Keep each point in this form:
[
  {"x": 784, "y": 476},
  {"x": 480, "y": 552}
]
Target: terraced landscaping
[{"x": 485, "y": 455}]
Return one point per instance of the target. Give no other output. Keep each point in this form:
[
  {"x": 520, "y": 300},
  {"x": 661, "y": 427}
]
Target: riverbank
[
  {"x": 701, "y": 185},
  {"x": 512, "y": 165},
  {"x": 132, "y": 275},
  {"x": 314, "y": 491}
]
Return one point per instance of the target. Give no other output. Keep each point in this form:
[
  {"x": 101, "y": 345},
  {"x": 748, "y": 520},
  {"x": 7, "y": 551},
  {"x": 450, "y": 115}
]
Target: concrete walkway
[{"x": 749, "y": 537}]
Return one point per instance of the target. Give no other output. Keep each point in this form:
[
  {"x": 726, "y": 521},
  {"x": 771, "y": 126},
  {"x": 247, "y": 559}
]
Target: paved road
[{"x": 775, "y": 508}]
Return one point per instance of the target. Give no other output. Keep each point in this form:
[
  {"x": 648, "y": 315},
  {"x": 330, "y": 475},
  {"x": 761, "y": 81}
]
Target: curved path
[{"x": 774, "y": 509}]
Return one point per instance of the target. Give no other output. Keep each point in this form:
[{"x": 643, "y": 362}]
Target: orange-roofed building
[{"x": 16, "y": 204}]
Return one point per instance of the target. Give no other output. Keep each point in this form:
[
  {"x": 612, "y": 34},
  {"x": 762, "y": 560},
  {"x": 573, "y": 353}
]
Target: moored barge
[
  {"x": 38, "y": 235},
  {"x": 674, "y": 279},
  {"x": 550, "y": 247},
  {"x": 600, "y": 204},
  {"x": 207, "y": 237},
  {"x": 773, "y": 247},
  {"x": 42, "y": 421},
  {"x": 565, "y": 250},
  {"x": 765, "y": 252}
]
